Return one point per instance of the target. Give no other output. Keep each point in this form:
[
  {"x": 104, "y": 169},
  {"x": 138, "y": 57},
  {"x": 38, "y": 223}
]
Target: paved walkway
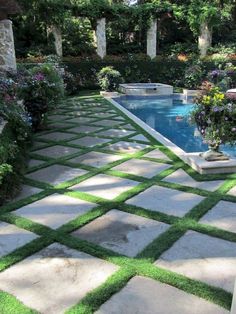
[{"x": 110, "y": 221}]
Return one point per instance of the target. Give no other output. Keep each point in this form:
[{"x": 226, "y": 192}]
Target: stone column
[
  {"x": 7, "y": 47},
  {"x": 152, "y": 40},
  {"x": 56, "y": 31},
  {"x": 101, "y": 38},
  {"x": 204, "y": 39}
]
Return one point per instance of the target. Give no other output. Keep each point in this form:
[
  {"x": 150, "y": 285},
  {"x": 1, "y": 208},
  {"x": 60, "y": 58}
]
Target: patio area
[{"x": 110, "y": 221}]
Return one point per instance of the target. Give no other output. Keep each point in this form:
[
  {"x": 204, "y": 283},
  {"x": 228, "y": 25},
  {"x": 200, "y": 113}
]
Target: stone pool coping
[{"x": 192, "y": 159}]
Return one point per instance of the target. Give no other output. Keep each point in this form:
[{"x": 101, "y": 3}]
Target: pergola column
[
  {"x": 101, "y": 38},
  {"x": 7, "y": 47},
  {"x": 152, "y": 39}
]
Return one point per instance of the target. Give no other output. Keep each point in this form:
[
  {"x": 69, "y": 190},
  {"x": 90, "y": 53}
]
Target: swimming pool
[{"x": 169, "y": 116}]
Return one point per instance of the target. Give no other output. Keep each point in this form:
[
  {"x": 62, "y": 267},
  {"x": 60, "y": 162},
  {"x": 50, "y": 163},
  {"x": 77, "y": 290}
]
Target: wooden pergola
[{"x": 8, "y": 7}]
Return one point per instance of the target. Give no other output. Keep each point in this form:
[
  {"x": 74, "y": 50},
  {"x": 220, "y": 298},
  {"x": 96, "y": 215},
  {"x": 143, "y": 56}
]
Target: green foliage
[
  {"x": 194, "y": 75},
  {"x": 109, "y": 79},
  {"x": 42, "y": 90}
]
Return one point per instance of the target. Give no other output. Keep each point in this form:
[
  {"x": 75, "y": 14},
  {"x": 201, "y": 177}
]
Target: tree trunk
[
  {"x": 204, "y": 39},
  {"x": 55, "y": 30}
]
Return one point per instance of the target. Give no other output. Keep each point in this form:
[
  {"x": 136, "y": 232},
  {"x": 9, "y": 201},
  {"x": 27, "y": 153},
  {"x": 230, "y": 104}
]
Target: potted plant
[
  {"x": 109, "y": 80},
  {"x": 215, "y": 117}
]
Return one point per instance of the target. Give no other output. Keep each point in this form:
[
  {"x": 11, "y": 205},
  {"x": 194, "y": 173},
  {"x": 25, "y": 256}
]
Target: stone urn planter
[{"x": 215, "y": 117}]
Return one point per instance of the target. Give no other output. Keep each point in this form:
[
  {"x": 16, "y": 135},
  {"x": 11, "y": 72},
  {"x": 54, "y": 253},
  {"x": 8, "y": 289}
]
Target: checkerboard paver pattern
[{"x": 107, "y": 210}]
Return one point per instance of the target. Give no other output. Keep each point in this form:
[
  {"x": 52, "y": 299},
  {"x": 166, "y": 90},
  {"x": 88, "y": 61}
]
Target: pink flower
[{"x": 39, "y": 77}]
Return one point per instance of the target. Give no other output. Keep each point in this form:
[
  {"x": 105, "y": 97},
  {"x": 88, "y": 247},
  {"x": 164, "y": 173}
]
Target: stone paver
[
  {"x": 223, "y": 216},
  {"x": 156, "y": 153},
  {"x": 84, "y": 129},
  {"x": 95, "y": 159},
  {"x": 57, "y": 151},
  {"x": 232, "y": 191},
  {"x": 143, "y": 295},
  {"x": 55, "y": 278},
  {"x": 12, "y": 237},
  {"x": 182, "y": 178},
  {"x": 82, "y": 120},
  {"x": 140, "y": 137},
  {"x": 56, "y": 174},
  {"x": 35, "y": 162},
  {"x": 142, "y": 168},
  {"x": 116, "y": 133},
  {"x": 111, "y": 123},
  {"x": 57, "y": 117},
  {"x": 168, "y": 201},
  {"x": 26, "y": 191},
  {"x": 126, "y": 147},
  {"x": 89, "y": 141},
  {"x": 122, "y": 232},
  {"x": 57, "y": 136},
  {"x": 105, "y": 186},
  {"x": 55, "y": 210},
  {"x": 201, "y": 257}
]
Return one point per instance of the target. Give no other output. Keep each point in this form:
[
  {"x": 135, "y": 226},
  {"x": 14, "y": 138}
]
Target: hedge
[{"x": 133, "y": 69}]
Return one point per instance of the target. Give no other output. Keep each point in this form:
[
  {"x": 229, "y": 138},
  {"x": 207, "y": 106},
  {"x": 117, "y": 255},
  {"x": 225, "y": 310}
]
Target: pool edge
[{"x": 192, "y": 159}]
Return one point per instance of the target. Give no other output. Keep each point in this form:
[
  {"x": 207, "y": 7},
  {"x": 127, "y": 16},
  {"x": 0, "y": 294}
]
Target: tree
[{"x": 204, "y": 15}]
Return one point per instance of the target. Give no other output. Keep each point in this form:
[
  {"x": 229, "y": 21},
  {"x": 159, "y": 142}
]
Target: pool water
[{"x": 169, "y": 117}]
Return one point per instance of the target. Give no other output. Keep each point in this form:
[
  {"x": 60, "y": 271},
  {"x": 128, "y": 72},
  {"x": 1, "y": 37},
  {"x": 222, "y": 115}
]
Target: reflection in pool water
[{"x": 169, "y": 117}]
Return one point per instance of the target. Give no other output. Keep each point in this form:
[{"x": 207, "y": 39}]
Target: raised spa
[{"x": 143, "y": 89}]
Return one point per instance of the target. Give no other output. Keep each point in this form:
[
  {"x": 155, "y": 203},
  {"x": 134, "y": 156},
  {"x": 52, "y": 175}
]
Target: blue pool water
[{"x": 169, "y": 117}]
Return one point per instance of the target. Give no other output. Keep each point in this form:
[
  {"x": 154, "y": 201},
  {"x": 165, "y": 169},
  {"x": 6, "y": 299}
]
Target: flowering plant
[
  {"x": 215, "y": 116},
  {"x": 12, "y": 109},
  {"x": 224, "y": 78}
]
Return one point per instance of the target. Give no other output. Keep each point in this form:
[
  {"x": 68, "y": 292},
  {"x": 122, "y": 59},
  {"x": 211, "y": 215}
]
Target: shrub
[
  {"x": 42, "y": 90},
  {"x": 109, "y": 79},
  {"x": 13, "y": 139}
]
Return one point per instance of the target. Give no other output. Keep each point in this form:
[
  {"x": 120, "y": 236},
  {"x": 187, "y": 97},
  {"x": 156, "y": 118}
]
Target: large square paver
[
  {"x": 116, "y": 133},
  {"x": 57, "y": 151},
  {"x": 156, "y": 153},
  {"x": 105, "y": 186},
  {"x": 126, "y": 147},
  {"x": 57, "y": 136},
  {"x": 54, "y": 210},
  {"x": 26, "y": 191},
  {"x": 55, "y": 278},
  {"x": 146, "y": 296},
  {"x": 204, "y": 258},
  {"x": 90, "y": 141},
  {"x": 139, "y": 137},
  {"x": 12, "y": 238},
  {"x": 56, "y": 174},
  {"x": 96, "y": 159},
  {"x": 223, "y": 216},
  {"x": 122, "y": 232},
  {"x": 81, "y": 120},
  {"x": 182, "y": 178},
  {"x": 111, "y": 123},
  {"x": 35, "y": 163},
  {"x": 168, "y": 201},
  {"x": 232, "y": 191},
  {"x": 85, "y": 129},
  {"x": 142, "y": 168}
]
